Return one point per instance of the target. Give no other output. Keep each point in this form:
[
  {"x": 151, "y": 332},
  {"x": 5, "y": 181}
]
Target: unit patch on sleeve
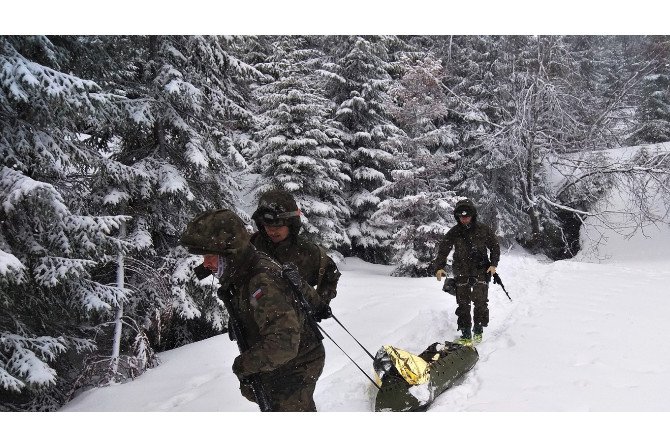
[{"x": 258, "y": 294}]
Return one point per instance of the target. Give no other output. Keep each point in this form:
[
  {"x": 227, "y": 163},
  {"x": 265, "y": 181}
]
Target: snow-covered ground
[{"x": 578, "y": 336}]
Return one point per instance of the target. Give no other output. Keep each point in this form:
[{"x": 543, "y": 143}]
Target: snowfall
[{"x": 580, "y": 355}]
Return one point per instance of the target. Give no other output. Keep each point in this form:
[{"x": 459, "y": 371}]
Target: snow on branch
[
  {"x": 16, "y": 188},
  {"x": 11, "y": 267},
  {"x": 171, "y": 181},
  {"x": 26, "y": 81},
  {"x": 96, "y": 296},
  {"x": 26, "y": 360},
  {"x": 366, "y": 173},
  {"x": 9, "y": 382},
  {"x": 52, "y": 270},
  {"x": 565, "y": 208}
]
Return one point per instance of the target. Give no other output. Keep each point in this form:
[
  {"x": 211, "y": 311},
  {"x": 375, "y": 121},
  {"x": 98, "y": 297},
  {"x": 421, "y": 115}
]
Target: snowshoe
[
  {"x": 465, "y": 341},
  {"x": 478, "y": 334},
  {"x": 466, "y": 337},
  {"x": 410, "y": 383}
]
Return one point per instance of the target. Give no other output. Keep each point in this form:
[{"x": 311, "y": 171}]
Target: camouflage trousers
[
  {"x": 293, "y": 391},
  {"x": 472, "y": 290}
]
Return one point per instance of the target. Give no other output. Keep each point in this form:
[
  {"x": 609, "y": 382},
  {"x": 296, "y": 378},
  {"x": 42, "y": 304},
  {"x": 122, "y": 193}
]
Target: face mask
[
  {"x": 221, "y": 267},
  {"x": 216, "y": 264}
]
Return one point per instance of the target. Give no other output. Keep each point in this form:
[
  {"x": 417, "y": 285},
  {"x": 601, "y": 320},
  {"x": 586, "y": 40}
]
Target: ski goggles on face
[{"x": 278, "y": 220}]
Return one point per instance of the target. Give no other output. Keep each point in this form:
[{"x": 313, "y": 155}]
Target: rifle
[
  {"x": 259, "y": 392},
  {"x": 291, "y": 273},
  {"x": 497, "y": 280}
]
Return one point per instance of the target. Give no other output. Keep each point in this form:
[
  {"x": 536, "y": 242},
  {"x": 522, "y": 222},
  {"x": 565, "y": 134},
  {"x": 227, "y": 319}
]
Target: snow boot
[
  {"x": 465, "y": 338},
  {"x": 478, "y": 332}
]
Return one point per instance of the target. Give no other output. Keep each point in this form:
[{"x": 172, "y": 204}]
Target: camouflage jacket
[
  {"x": 271, "y": 323},
  {"x": 308, "y": 257},
  {"x": 470, "y": 250}
]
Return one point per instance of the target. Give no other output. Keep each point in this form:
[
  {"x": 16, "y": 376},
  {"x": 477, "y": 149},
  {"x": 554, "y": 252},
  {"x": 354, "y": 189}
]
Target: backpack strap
[{"x": 291, "y": 274}]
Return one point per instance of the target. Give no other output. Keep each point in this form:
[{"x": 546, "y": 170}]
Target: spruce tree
[
  {"x": 359, "y": 86},
  {"x": 474, "y": 70},
  {"x": 418, "y": 210},
  {"x": 417, "y": 213},
  {"x": 653, "y": 113},
  {"x": 185, "y": 104},
  {"x": 299, "y": 149},
  {"x": 51, "y": 239}
]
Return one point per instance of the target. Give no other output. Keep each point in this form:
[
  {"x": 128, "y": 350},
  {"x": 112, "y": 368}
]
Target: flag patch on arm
[{"x": 258, "y": 294}]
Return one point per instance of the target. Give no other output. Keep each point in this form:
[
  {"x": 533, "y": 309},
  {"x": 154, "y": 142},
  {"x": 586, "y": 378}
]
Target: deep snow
[
  {"x": 579, "y": 336},
  {"x": 576, "y": 337}
]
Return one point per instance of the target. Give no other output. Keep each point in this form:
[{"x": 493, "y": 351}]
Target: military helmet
[
  {"x": 216, "y": 232},
  {"x": 465, "y": 207},
  {"x": 276, "y": 209}
]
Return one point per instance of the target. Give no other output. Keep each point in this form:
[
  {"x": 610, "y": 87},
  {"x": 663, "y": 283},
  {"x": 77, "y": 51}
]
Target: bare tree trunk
[
  {"x": 158, "y": 130},
  {"x": 118, "y": 325},
  {"x": 531, "y": 200},
  {"x": 451, "y": 42}
]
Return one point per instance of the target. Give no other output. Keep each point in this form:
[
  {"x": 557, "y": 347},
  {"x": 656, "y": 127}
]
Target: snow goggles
[{"x": 278, "y": 220}]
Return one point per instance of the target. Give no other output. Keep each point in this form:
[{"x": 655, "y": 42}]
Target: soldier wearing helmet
[
  {"x": 284, "y": 353},
  {"x": 471, "y": 241},
  {"x": 278, "y": 221}
]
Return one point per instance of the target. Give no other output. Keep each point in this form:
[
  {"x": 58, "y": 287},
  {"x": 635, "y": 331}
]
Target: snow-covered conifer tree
[
  {"x": 300, "y": 150},
  {"x": 359, "y": 86},
  {"x": 185, "y": 114},
  {"x": 653, "y": 123},
  {"x": 474, "y": 68},
  {"x": 50, "y": 239},
  {"x": 418, "y": 210}
]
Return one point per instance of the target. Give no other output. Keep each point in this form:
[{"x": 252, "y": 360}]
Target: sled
[{"x": 411, "y": 383}]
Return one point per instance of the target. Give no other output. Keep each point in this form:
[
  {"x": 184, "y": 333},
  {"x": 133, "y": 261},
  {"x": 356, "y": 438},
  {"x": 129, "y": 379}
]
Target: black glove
[
  {"x": 237, "y": 369},
  {"x": 323, "y": 313},
  {"x": 202, "y": 272},
  {"x": 450, "y": 286},
  {"x": 247, "y": 390},
  {"x": 496, "y": 279}
]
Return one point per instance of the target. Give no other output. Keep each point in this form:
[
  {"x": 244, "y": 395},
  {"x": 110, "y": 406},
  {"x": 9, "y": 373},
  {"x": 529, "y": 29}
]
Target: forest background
[{"x": 110, "y": 144}]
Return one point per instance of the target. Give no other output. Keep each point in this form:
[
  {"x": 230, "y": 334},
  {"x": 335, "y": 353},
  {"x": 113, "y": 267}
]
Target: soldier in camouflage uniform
[
  {"x": 284, "y": 353},
  {"x": 278, "y": 221},
  {"x": 472, "y": 267}
]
